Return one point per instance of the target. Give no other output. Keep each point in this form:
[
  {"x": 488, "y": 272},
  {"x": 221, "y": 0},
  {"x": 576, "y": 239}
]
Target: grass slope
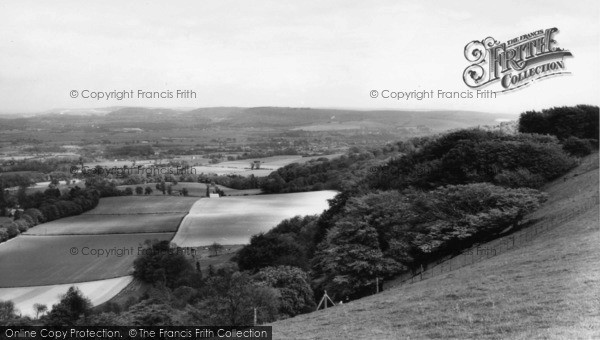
[{"x": 546, "y": 289}]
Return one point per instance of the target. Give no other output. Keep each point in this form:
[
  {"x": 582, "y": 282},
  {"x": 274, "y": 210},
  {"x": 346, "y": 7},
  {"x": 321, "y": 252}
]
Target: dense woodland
[{"x": 400, "y": 207}]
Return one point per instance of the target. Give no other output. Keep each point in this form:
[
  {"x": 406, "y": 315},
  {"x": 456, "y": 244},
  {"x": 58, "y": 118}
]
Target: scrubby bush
[
  {"x": 12, "y": 230},
  {"x": 578, "y": 147},
  {"x": 22, "y": 225},
  {"x": 36, "y": 216},
  {"x": 3, "y": 234},
  {"x": 519, "y": 178}
]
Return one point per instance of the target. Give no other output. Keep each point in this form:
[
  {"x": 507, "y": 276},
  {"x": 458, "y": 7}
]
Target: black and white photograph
[{"x": 228, "y": 169}]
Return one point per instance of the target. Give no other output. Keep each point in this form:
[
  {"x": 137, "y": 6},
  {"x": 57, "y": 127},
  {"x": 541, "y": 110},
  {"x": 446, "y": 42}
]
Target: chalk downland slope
[{"x": 549, "y": 288}]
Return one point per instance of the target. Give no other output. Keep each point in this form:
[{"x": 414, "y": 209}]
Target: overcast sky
[{"x": 280, "y": 53}]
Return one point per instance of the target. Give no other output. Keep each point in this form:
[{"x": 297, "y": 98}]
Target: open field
[
  {"x": 233, "y": 220},
  {"x": 268, "y": 165},
  {"x": 125, "y": 205},
  {"x": 91, "y": 224},
  {"x": 194, "y": 189},
  {"x": 222, "y": 171},
  {"x": 94, "y": 251},
  {"x": 98, "y": 291},
  {"x": 272, "y": 163},
  {"x": 49, "y": 260},
  {"x": 545, "y": 289}
]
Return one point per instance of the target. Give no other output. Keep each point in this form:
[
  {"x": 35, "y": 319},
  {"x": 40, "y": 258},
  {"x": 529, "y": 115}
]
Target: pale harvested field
[
  {"x": 233, "y": 220},
  {"x": 47, "y": 260},
  {"x": 268, "y": 165},
  {"x": 98, "y": 291},
  {"x": 110, "y": 224}
]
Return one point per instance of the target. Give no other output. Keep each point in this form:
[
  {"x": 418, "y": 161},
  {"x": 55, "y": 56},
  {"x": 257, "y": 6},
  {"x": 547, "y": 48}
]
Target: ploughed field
[
  {"x": 233, "y": 220},
  {"x": 95, "y": 250},
  {"x": 110, "y": 224}
]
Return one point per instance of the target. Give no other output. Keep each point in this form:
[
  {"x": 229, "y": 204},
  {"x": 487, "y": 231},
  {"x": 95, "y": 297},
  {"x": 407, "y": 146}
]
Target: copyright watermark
[
  {"x": 122, "y": 171},
  {"x": 128, "y": 251},
  {"x": 132, "y": 94},
  {"x": 419, "y": 95}
]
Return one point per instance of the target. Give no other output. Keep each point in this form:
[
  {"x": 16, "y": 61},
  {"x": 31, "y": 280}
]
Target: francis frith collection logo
[{"x": 515, "y": 63}]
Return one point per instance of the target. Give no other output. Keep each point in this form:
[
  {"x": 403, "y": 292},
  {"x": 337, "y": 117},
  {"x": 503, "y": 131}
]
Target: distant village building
[
  {"x": 255, "y": 165},
  {"x": 214, "y": 195}
]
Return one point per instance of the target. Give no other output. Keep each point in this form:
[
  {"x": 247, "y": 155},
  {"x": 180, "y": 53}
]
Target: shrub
[
  {"x": 12, "y": 230},
  {"x": 519, "y": 178},
  {"x": 577, "y": 147},
  {"x": 3, "y": 234},
  {"x": 22, "y": 225},
  {"x": 35, "y": 215}
]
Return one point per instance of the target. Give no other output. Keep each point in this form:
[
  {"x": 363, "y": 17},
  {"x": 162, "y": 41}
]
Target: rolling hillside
[{"x": 546, "y": 288}]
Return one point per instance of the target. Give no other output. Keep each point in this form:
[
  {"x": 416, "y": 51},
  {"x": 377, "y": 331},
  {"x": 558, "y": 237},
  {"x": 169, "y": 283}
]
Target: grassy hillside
[{"x": 548, "y": 288}]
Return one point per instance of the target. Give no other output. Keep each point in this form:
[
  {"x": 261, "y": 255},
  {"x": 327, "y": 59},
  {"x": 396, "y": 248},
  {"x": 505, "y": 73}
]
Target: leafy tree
[
  {"x": 139, "y": 190},
  {"x": 215, "y": 248},
  {"x": 161, "y": 264},
  {"x": 579, "y": 121},
  {"x": 148, "y": 191},
  {"x": 184, "y": 191},
  {"x": 72, "y": 307},
  {"x": 350, "y": 260},
  {"x": 232, "y": 297},
  {"x": 7, "y": 311},
  {"x": 128, "y": 191},
  {"x": 271, "y": 249},
  {"x": 295, "y": 294},
  {"x": 40, "y": 309},
  {"x": 150, "y": 312}
]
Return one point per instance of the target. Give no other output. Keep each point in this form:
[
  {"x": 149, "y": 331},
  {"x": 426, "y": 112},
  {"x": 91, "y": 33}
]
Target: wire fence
[{"x": 493, "y": 248}]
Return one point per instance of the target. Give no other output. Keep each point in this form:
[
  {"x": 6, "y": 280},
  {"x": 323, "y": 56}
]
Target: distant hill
[{"x": 265, "y": 117}]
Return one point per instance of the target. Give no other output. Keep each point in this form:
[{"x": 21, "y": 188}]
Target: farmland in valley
[
  {"x": 142, "y": 205},
  {"x": 95, "y": 251},
  {"x": 233, "y": 220},
  {"x": 267, "y": 165},
  {"x": 194, "y": 189},
  {"x": 110, "y": 224},
  {"x": 50, "y": 260},
  {"x": 99, "y": 292}
]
